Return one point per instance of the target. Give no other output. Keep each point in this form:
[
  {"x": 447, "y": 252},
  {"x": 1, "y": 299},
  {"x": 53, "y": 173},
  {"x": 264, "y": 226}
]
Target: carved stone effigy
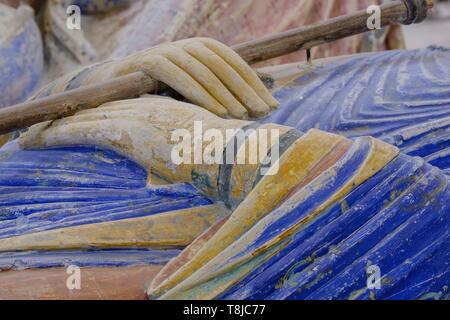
[{"x": 100, "y": 190}]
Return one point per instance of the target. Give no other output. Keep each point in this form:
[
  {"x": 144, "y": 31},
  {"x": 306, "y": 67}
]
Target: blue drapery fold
[
  {"x": 401, "y": 97},
  {"x": 64, "y": 187}
]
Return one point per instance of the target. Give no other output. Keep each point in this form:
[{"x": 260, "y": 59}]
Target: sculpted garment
[
  {"x": 309, "y": 231},
  {"x": 401, "y": 97}
]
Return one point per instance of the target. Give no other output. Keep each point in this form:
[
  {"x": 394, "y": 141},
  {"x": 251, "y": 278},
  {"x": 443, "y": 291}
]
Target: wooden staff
[{"x": 125, "y": 87}]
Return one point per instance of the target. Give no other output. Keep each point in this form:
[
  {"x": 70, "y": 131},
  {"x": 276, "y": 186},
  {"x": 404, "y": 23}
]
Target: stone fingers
[
  {"x": 206, "y": 78},
  {"x": 234, "y": 82},
  {"x": 246, "y": 72},
  {"x": 162, "y": 69}
]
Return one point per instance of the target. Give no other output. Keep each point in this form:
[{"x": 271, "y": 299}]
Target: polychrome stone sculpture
[{"x": 100, "y": 189}]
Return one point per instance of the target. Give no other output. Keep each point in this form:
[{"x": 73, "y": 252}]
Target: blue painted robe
[
  {"x": 398, "y": 221},
  {"x": 64, "y": 187},
  {"x": 401, "y": 97}
]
